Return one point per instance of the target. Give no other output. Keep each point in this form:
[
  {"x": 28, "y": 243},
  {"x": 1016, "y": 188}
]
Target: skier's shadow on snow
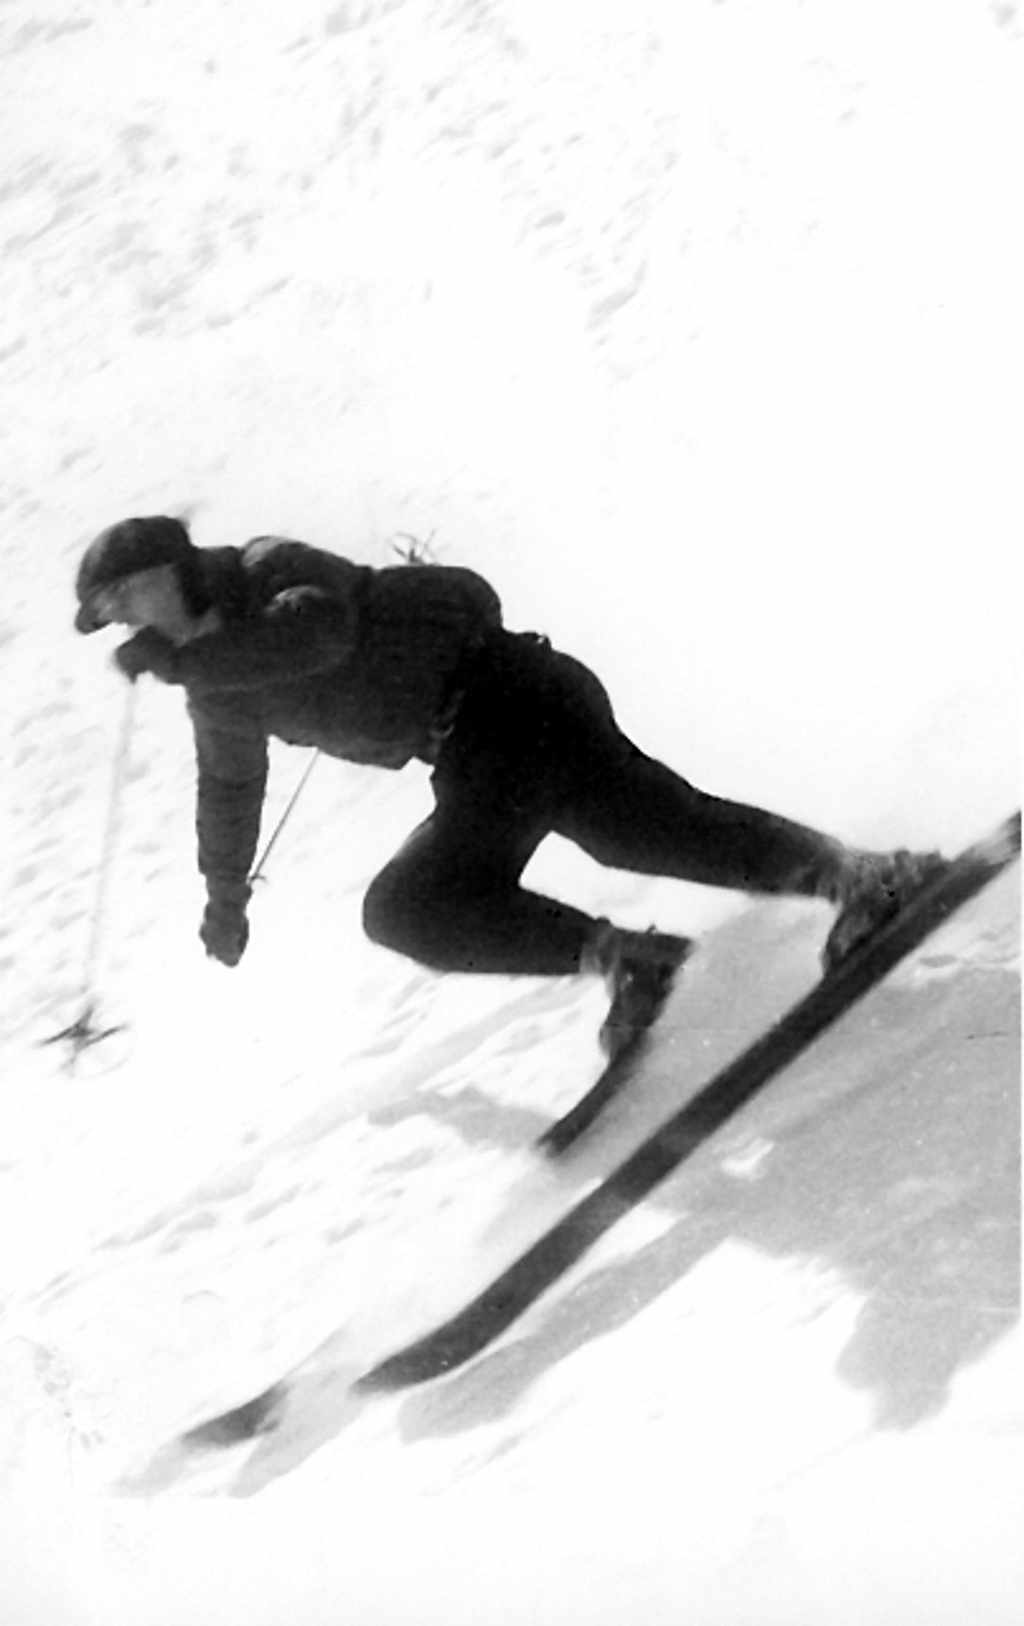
[{"x": 894, "y": 1166}]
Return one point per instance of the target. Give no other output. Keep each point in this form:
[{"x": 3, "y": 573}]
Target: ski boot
[
  {"x": 871, "y": 889},
  {"x": 639, "y": 969}
]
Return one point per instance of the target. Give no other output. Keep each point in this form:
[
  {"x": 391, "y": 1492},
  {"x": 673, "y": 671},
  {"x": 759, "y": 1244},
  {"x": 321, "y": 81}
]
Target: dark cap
[{"x": 123, "y": 550}]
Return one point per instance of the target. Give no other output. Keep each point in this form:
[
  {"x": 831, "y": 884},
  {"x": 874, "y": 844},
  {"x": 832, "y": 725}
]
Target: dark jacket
[{"x": 361, "y": 663}]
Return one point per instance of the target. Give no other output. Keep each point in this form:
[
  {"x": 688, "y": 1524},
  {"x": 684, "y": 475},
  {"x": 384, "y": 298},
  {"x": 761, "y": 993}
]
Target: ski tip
[
  {"x": 375, "y": 1381},
  {"x": 552, "y": 1143},
  {"x": 257, "y": 1416},
  {"x": 434, "y": 1356},
  {"x": 397, "y": 1372}
]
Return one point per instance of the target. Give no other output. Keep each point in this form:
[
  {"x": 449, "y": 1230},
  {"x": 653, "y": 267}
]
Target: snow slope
[
  {"x": 692, "y": 328},
  {"x": 803, "y": 1329}
]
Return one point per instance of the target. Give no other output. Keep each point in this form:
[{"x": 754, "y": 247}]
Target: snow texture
[{"x": 691, "y": 325}]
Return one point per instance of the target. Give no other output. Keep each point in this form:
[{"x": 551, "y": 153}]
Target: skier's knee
[
  {"x": 398, "y": 919},
  {"x": 412, "y": 921},
  {"x": 385, "y": 917}
]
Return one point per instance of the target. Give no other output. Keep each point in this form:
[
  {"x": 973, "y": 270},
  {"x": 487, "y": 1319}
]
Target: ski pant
[{"x": 535, "y": 750}]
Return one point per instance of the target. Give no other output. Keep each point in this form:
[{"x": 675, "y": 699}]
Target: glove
[
  {"x": 148, "y": 651},
  {"x": 224, "y": 931}
]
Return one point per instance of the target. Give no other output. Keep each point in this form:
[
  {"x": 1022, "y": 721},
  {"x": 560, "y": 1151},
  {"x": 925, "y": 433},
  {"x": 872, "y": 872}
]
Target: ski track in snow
[{"x": 688, "y": 328}]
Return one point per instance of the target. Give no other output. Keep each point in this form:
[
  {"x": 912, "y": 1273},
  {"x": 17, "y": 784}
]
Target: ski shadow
[{"x": 891, "y": 1162}]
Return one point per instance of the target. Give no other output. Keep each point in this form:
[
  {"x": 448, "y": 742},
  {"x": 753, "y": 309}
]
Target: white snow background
[{"x": 696, "y": 328}]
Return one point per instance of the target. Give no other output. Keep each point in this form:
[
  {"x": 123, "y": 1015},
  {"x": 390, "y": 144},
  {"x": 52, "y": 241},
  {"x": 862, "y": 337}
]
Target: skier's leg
[
  {"x": 451, "y": 899},
  {"x": 633, "y": 813},
  {"x": 541, "y": 724}
]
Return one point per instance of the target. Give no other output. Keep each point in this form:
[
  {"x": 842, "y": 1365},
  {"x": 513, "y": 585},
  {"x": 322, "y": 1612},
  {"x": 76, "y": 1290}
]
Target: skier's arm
[
  {"x": 231, "y": 765},
  {"x": 302, "y": 631}
]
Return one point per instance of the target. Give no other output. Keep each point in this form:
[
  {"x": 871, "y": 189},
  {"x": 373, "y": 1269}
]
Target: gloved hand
[
  {"x": 148, "y": 651},
  {"x": 224, "y": 931}
]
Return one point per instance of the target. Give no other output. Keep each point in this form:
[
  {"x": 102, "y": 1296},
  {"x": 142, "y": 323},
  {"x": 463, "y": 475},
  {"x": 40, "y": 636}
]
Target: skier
[{"x": 384, "y": 666}]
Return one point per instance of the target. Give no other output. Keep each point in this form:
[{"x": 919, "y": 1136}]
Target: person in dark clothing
[{"x": 384, "y": 666}]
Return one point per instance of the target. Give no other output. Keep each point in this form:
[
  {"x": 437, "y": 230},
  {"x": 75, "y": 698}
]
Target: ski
[
  {"x": 612, "y": 1079},
  {"x": 479, "y": 1323},
  {"x": 559, "y": 1136}
]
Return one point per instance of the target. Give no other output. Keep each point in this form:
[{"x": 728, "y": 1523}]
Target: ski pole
[
  {"x": 257, "y": 873},
  {"x": 82, "y": 1032}
]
